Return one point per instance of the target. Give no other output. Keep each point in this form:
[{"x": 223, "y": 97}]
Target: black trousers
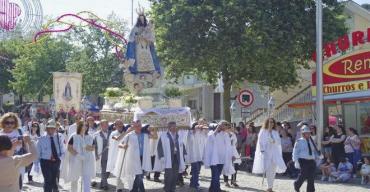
[
  {"x": 50, "y": 171},
  {"x": 156, "y": 174},
  {"x": 233, "y": 176},
  {"x": 308, "y": 168}
]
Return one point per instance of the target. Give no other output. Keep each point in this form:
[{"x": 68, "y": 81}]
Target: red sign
[
  {"x": 347, "y": 68},
  {"x": 344, "y": 43},
  {"x": 245, "y": 98},
  {"x": 348, "y": 73}
]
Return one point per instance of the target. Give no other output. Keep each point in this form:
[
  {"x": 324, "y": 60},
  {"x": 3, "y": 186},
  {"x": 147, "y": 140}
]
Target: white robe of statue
[
  {"x": 270, "y": 143},
  {"x": 219, "y": 151},
  {"x": 196, "y": 143},
  {"x": 166, "y": 162},
  {"x": 113, "y": 150},
  {"x": 143, "y": 37},
  {"x": 129, "y": 165},
  {"x": 75, "y": 166}
]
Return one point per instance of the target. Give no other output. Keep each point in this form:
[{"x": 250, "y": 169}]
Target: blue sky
[{"x": 102, "y": 8}]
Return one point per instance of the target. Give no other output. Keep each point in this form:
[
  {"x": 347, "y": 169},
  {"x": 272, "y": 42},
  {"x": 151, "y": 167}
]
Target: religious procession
[{"x": 184, "y": 96}]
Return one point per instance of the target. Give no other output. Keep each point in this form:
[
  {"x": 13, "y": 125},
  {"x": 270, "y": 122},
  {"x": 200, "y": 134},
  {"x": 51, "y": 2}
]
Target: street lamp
[{"x": 319, "y": 75}]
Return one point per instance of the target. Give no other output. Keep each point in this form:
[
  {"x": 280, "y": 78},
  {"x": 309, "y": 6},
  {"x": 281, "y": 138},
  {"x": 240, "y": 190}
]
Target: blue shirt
[
  {"x": 301, "y": 150},
  {"x": 140, "y": 138},
  {"x": 44, "y": 146}
]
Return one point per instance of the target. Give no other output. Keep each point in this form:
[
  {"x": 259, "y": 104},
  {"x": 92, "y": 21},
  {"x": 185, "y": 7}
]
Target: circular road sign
[{"x": 246, "y": 98}]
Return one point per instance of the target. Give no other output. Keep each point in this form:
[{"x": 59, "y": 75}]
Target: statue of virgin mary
[{"x": 142, "y": 64}]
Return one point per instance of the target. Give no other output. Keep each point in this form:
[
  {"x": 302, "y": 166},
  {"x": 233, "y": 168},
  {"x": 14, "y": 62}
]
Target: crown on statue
[{"x": 140, "y": 11}]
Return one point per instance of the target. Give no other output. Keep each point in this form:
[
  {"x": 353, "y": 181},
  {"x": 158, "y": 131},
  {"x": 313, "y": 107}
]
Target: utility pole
[
  {"x": 132, "y": 13},
  {"x": 319, "y": 75}
]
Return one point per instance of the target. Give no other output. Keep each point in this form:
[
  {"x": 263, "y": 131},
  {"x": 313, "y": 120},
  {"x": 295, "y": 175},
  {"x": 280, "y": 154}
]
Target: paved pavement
[{"x": 247, "y": 182}]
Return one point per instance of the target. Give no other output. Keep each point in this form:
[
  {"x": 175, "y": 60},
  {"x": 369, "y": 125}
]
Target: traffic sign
[{"x": 245, "y": 98}]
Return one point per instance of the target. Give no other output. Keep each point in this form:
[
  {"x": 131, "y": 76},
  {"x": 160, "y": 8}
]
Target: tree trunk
[{"x": 226, "y": 99}]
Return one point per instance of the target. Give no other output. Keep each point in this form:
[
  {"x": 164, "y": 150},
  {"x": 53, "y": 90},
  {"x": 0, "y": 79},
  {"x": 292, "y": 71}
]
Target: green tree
[
  {"x": 95, "y": 56},
  {"x": 8, "y": 54},
  {"x": 32, "y": 71},
  {"x": 260, "y": 41}
]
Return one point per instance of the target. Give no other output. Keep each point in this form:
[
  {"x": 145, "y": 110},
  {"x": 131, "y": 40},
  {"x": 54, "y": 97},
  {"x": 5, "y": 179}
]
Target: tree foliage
[
  {"x": 33, "y": 67},
  {"x": 87, "y": 50},
  {"x": 8, "y": 54},
  {"x": 259, "y": 41},
  {"x": 95, "y": 58}
]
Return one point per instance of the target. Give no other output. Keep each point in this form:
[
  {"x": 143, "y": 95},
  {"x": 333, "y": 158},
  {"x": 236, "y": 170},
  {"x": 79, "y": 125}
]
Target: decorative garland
[{"x": 91, "y": 20}]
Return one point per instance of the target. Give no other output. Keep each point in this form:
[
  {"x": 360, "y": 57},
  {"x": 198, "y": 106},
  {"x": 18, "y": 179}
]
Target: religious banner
[
  {"x": 159, "y": 117},
  {"x": 67, "y": 91}
]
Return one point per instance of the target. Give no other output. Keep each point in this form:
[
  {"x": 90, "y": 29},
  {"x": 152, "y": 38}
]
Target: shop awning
[{"x": 309, "y": 104}]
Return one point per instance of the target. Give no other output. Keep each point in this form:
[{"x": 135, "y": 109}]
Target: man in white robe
[
  {"x": 101, "y": 152},
  {"x": 134, "y": 158},
  {"x": 196, "y": 141},
  {"x": 170, "y": 157},
  {"x": 218, "y": 152},
  {"x": 113, "y": 148},
  {"x": 153, "y": 142}
]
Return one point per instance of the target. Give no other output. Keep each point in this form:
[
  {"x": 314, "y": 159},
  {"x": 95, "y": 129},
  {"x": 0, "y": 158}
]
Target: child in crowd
[
  {"x": 327, "y": 167},
  {"x": 343, "y": 173},
  {"x": 365, "y": 171}
]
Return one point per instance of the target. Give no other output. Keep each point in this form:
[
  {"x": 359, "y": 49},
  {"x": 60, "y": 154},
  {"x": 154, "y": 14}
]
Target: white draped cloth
[
  {"x": 113, "y": 150},
  {"x": 270, "y": 143},
  {"x": 166, "y": 162},
  {"x": 219, "y": 151},
  {"x": 195, "y": 145},
  {"x": 82, "y": 164},
  {"x": 128, "y": 163}
]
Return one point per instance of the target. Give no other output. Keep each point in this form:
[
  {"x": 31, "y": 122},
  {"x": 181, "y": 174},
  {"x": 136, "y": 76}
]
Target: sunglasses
[{"x": 9, "y": 122}]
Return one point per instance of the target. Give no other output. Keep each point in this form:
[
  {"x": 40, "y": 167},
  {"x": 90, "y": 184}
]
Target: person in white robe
[
  {"x": 113, "y": 144},
  {"x": 80, "y": 159},
  {"x": 218, "y": 154},
  {"x": 170, "y": 157},
  {"x": 153, "y": 142},
  {"x": 268, "y": 156},
  {"x": 92, "y": 126},
  {"x": 115, "y": 138},
  {"x": 234, "y": 166},
  {"x": 133, "y": 158},
  {"x": 101, "y": 153},
  {"x": 195, "y": 145},
  {"x": 73, "y": 128}
]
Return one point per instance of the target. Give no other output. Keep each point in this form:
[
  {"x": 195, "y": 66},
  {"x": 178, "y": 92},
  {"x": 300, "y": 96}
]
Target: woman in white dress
[
  {"x": 268, "y": 158},
  {"x": 33, "y": 169},
  {"x": 80, "y": 159}
]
